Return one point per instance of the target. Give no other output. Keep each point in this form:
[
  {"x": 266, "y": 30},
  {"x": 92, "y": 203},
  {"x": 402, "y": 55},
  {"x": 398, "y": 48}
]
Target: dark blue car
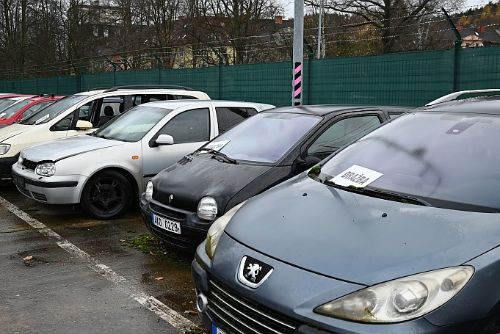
[{"x": 396, "y": 233}]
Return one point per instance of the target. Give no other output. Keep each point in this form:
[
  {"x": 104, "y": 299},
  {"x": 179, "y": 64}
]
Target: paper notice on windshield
[
  {"x": 217, "y": 145},
  {"x": 44, "y": 118},
  {"x": 356, "y": 176}
]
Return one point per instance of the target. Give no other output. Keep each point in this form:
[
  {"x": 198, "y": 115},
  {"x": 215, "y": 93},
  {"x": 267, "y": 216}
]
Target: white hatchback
[
  {"x": 77, "y": 114},
  {"x": 104, "y": 171}
]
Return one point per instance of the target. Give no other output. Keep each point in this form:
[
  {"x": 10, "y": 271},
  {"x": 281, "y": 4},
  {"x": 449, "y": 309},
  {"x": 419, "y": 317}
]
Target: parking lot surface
[{"x": 63, "y": 272}]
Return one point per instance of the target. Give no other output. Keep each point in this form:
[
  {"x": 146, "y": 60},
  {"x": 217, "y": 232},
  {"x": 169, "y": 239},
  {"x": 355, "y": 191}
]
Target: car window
[
  {"x": 341, "y": 133},
  {"x": 10, "y": 111},
  {"x": 189, "y": 127},
  {"x": 35, "y": 108},
  {"x": 64, "y": 124},
  {"x": 110, "y": 105},
  {"x": 5, "y": 103},
  {"x": 183, "y": 97},
  {"x": 266, "y": 137},
  {"x": 54, "y": 110},
  {"x": 228, "y": 117}
]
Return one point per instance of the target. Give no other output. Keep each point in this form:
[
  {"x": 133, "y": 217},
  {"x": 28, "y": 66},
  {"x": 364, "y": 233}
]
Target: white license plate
[
  {"x": 167, "y": 224},
  {"x": 216, "y": 330}
]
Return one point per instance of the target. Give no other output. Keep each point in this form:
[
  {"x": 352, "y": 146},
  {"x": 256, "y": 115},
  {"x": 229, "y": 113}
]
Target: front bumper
[
  {"x": 50, "y": 190},
  {"x": 287, "y": 297},
  {"x": 193, "y": 229}
]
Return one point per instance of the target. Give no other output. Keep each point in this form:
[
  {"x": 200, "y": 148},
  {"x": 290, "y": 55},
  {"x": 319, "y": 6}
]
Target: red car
[
  {"x": 8, "y": 99},
  {"x": 24, "y": 107}
]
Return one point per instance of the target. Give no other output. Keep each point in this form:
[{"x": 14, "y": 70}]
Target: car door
[
  {"x": 340, "y": 132},
  {"x": 190, "y": 130}
]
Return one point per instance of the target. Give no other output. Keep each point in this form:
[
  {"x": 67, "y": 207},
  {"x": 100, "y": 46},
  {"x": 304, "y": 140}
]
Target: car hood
[
  {"x": 357, "y": 238},
  {"x": 193, "y": 178},
  {"x": 13, "y": 130},
  {"x": 67, "y": 147}
]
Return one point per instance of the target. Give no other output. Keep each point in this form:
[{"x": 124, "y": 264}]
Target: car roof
[
  {"x": 479, "y": 105},
  {"x": 174, "y": 104},
  {"x": 326, "y": 109},
  {"x": 128, "y": 91}
]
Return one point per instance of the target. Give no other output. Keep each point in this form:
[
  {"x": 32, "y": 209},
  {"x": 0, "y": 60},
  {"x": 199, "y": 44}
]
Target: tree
[{"x": 391, "y": 18}]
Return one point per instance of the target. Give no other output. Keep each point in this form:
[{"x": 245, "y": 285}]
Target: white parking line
[{"x": 154, "y": 305}]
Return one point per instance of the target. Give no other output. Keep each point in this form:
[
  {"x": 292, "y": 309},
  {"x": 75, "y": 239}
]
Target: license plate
[
  {"x": 166, "y": 224},
  {"x": 216, "y": 330}
]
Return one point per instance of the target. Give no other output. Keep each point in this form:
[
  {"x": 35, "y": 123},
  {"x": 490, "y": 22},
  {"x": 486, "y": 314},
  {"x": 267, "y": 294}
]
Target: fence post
[
  {"x": 456, "y": 66},
  {"x": 219, "y": 74},
  {"x": 159, "y": 75}
]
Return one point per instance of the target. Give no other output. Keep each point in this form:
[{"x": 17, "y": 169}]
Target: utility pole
[
  {"x": 320, "y": 30},
  {"x": 298, "y": 51}
]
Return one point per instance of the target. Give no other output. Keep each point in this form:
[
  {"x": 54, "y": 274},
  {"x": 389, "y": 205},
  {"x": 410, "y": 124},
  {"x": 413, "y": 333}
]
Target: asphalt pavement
[{"x": 74, "y": 274}]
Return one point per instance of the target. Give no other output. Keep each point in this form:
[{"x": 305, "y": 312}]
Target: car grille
[
  {"x": 169, "y": 213},
  {"x": 28, "y": 164},
  {"x": 237, "y": 314}
]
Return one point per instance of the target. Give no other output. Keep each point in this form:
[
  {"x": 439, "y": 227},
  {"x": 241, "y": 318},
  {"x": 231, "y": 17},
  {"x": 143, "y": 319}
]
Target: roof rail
[
  {"x": 454, "y": 96},
  {"x": 112, "y": 89}
]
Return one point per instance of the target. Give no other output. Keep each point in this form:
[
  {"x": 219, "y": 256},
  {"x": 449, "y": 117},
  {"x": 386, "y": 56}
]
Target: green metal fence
[{"x": 410, "y": 79}]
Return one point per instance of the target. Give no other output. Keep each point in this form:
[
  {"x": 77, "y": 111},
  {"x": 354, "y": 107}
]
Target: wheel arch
[{"x": 128, "y": 175}]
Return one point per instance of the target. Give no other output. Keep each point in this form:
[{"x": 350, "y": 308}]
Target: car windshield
[
  {"x": 10, "y": 111},
  {"x": 5, "y": 103},
  {"x": 132, "y": 125},
  {"x": 54, "y": 110},
  {"x": 265, "y": 137},
  {"x": 35, "y": 108},
  {"x": 447, "y": 160}
]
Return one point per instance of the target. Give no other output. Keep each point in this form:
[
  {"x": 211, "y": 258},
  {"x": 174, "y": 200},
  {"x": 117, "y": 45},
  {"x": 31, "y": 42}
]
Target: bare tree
[{"x": 391, "y": 18}]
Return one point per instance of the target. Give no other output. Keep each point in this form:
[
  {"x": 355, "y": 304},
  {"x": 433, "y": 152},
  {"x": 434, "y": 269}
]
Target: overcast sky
[{"x": 288, "y": 5}]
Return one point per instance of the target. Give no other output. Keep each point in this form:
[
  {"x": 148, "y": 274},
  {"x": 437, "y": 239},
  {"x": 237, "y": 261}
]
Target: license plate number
[
  {"x": 167, "y": 224},
  {"x": 216, "y": 330}
]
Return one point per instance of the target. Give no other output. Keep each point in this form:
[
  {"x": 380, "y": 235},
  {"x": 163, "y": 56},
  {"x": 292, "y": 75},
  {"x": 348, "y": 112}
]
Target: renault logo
[
  {"x": 253, "y": 272},
  {"x": 170, "y": 199}
]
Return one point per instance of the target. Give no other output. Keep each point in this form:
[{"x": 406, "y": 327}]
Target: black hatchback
[{"x": 182, "y": 201}]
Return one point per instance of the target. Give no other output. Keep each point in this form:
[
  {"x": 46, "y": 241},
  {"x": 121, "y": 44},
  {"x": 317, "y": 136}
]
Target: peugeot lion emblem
[
  {"x": 252, "y": 272},
  {"x": 170, "y": 199}
]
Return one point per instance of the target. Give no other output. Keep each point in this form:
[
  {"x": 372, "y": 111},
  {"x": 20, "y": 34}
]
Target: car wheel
[{"x": 107, "y": 195}]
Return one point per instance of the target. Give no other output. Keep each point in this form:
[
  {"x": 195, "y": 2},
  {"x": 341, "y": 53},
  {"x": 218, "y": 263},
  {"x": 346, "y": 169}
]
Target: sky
[{"x": 288, "y": 5}]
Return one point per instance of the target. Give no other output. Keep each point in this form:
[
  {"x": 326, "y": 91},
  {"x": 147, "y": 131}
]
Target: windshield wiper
[
  {"x": 219, "y": 154},
  {"x": 381, "y": 193}
]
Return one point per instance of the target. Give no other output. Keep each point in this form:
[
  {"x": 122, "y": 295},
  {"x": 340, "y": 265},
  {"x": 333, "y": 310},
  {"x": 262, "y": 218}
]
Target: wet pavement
[{"x": 45, "y": 289}]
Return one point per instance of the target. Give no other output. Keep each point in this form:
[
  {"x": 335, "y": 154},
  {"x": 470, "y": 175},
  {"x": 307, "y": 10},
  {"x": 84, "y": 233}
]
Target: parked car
[
  {"x": 396, "y": 233},
  {"x": 252, "y": 157},
  {"x": 79, "y": 114},
  {"x": 106, "y": 170},
  {"x": 26, "y": 108},
  {"x": 8, "y": 100}
]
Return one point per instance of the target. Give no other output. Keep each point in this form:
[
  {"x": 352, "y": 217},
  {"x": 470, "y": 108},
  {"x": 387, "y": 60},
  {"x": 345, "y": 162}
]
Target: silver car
[{"x": 104, "y": 171}]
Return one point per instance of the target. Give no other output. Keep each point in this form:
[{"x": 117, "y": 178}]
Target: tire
[{"x": 107, "y": 195}]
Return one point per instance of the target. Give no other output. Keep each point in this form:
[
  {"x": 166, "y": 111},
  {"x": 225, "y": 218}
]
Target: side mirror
[
  {"x": 301, "y": 164},
  {"x": 83, "y": 125},
  {"x": 164, "y": 140}
]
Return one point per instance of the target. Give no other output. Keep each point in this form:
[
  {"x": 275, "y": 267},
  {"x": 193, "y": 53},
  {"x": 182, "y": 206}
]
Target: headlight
[
  {"x": 4, "y": 148},
  {"x": 399, "y": 300},
  {"x": 148, "y": 194},
  {"x": 46, "y": 169},
  {"x": 215, "y": 231},
  {"x": 207, "y": 208}
]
